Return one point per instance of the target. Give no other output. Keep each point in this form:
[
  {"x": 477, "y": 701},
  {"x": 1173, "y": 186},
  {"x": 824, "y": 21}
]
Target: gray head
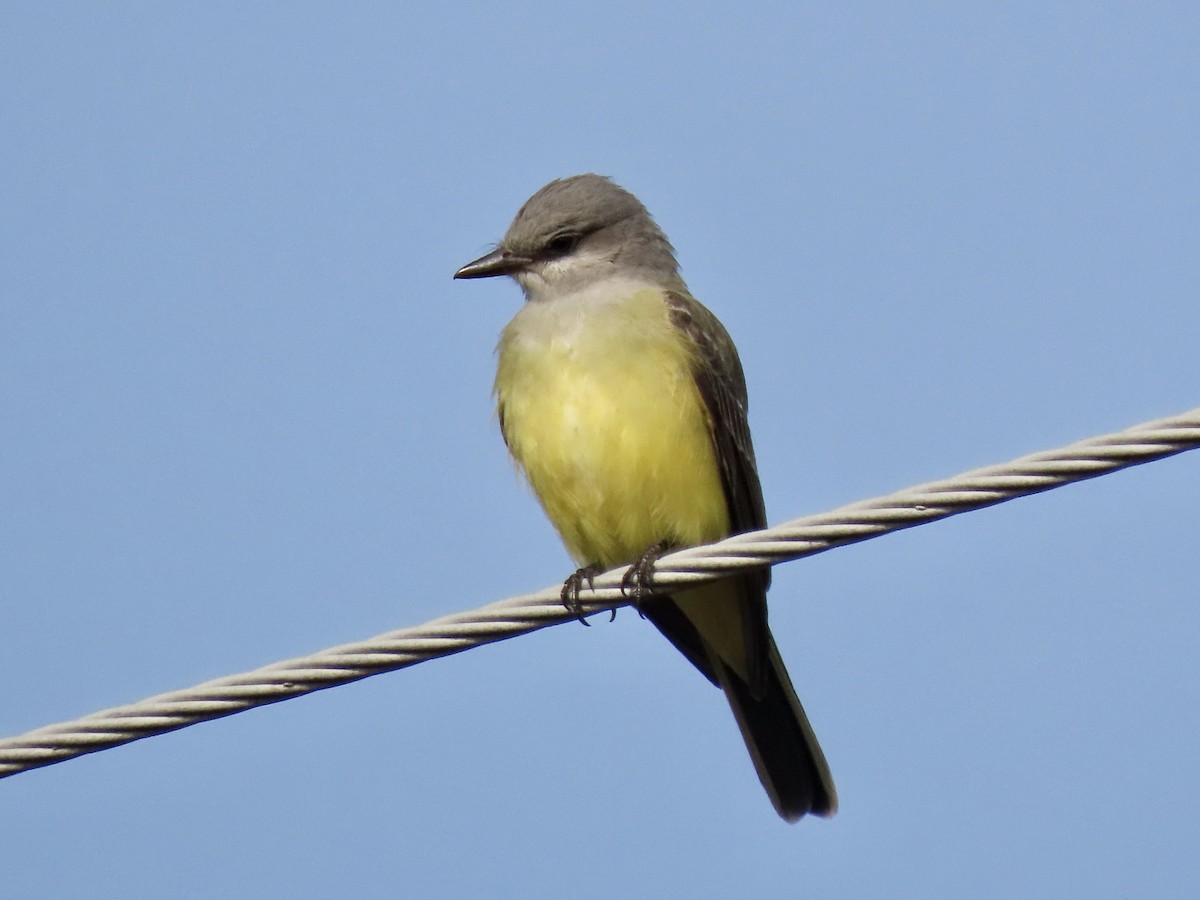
[{"x": 576, "y": 232}]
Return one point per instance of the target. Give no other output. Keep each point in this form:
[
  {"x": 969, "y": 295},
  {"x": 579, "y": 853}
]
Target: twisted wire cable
[{"x": 518, "y": 615}]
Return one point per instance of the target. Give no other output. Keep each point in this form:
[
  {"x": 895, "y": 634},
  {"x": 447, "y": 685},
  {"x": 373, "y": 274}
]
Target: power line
[{"x": 518, "y": 615}]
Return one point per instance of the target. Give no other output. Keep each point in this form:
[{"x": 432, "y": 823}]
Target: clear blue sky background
[{"x": 245, "y": 415}]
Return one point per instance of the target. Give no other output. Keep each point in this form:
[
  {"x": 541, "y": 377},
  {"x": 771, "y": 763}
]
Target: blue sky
[{"x": 246, "y": 415}]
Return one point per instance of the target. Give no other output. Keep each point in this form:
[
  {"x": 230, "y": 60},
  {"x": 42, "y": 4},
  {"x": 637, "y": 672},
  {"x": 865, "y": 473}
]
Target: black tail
[{"x": 785, "y": 751}]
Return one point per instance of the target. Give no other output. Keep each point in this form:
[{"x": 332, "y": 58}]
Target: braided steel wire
[{"x": 518, "y": 615}]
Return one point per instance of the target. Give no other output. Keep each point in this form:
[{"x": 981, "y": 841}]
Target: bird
[{"x": 623, "y": 401}]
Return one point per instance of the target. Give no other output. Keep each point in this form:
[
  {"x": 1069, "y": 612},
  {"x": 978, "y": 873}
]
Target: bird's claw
[
  {"x": 572, "y": 587},
  {"x": 638, "y": 581}
]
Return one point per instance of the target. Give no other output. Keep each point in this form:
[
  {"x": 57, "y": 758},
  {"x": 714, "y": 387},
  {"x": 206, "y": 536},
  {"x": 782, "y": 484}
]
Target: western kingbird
[{"x": 622, "y": 399}]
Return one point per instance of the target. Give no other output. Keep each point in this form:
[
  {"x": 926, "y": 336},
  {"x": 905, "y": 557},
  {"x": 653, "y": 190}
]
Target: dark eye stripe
[{"x": 562, "y": 245}]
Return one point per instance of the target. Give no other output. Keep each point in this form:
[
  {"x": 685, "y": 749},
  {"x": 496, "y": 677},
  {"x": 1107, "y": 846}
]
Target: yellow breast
[{"x": 600, "y": 410}]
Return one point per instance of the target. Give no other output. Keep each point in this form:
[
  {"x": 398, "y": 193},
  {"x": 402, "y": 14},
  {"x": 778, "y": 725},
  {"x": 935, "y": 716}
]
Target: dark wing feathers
[
  {"x": 722, "y": 386},
  {"x": 781, "y": 742}
]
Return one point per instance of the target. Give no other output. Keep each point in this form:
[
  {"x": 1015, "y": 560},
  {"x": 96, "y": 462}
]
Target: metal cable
[{"x": 519, "y": 615}]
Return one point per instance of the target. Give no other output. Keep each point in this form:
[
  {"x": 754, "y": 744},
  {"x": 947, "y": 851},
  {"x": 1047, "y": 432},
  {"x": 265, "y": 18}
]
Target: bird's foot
[
  {"x": 638, "y": 582},
  {"x": 573, "y": 585}
]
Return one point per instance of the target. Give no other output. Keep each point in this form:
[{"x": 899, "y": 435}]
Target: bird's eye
[{"x": 563, "y": 244}]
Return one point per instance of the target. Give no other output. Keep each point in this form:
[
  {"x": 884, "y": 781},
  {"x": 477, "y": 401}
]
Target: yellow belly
[{"x": 601, "y": 412}]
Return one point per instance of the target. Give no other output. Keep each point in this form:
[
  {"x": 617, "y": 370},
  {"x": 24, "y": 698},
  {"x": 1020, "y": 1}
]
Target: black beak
[{"x": 498, "y": 262}]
